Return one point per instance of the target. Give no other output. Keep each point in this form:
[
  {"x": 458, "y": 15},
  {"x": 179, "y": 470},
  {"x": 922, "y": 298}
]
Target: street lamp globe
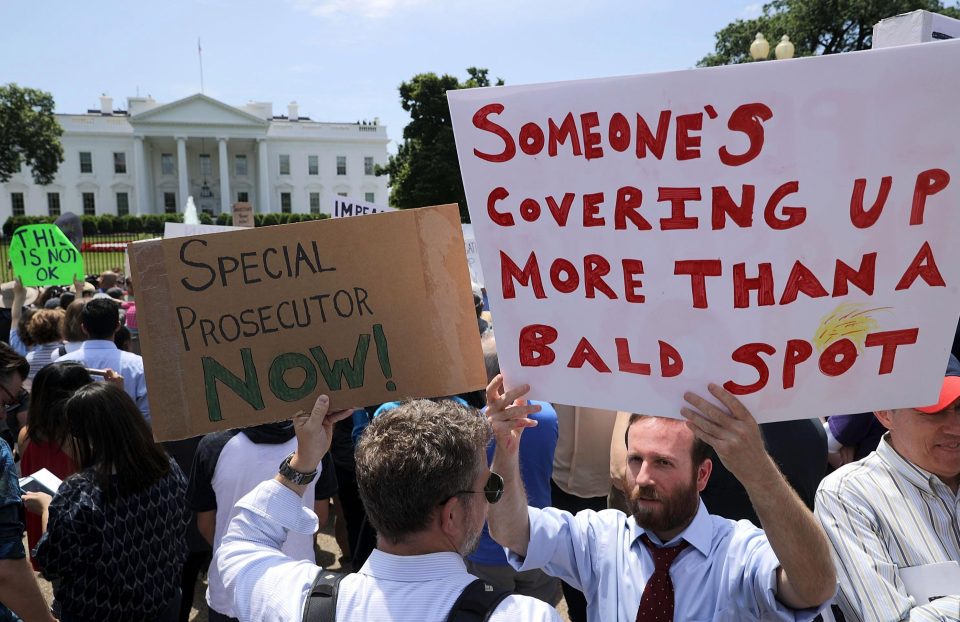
[
  {"x": 784, "y": 49},
  {"x": 759, "y": 49}
]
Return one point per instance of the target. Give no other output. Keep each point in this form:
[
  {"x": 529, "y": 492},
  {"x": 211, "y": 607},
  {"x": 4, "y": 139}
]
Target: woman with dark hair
[
  {"x": 114, "y": 542},
  {"x": 45, "y": 441}
]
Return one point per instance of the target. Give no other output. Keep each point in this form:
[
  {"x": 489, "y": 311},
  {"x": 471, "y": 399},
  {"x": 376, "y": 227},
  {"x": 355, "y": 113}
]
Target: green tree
[
  {"x": 425, "y": 170},
  {"x": 28, "y": 133},
  {"x": 814, "y": 26}
]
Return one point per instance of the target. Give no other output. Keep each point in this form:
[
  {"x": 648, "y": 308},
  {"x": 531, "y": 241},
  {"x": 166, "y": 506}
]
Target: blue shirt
[
  {"x": 11, "y": 528},
  {"x": 104, "y": 354},
  {"x": 537, "y": 446},
  {"x": 727, "y": 574}
]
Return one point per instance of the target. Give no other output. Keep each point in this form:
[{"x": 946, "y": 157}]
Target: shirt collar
[
  {"x": 413, "y": 568},
  {"x": 920, "y": 478},
  {"x": 699, "y": 533},
  {"x": 99, "y": 344}
]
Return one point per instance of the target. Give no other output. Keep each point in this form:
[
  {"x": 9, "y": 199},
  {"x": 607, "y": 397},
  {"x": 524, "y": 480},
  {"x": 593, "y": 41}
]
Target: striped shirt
[
  {"x": 881, "y": 514},
  {"x": 41, "y": 356}
]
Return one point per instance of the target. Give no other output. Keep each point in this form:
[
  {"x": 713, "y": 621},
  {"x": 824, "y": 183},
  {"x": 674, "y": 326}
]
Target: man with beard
[
  {"x": 671, "y": 560},
  {"x": 423, "y": 479}
]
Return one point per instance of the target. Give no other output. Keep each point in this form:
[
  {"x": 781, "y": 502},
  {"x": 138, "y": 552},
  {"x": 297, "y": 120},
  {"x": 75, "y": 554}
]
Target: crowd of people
[{"x": 479, "y": 504}]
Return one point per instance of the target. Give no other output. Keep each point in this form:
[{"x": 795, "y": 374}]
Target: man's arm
[
  {"x": 19, "y": 591},
  {"x": 869, "y": 586},
  {"x": 806, "y": 577},
  {"x": 508, "y": 520},
  {"x": 207, "y": 525}
]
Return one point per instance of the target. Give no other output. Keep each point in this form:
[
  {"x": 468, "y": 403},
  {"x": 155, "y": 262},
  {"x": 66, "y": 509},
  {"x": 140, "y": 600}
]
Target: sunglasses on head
[{"x": 492, "y": 490}]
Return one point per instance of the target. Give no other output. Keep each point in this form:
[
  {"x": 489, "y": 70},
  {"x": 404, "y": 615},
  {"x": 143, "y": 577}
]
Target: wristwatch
[{"x": 297, "y": 478}]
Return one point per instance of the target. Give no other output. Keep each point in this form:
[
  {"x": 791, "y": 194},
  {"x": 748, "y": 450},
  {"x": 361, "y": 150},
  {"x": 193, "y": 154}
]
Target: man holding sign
[{"x": 721, "y": 569}]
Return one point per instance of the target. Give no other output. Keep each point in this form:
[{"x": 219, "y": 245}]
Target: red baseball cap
[{"x": 950, "y": 390}]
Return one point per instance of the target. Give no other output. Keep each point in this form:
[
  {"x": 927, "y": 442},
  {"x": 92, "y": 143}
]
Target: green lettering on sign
[
  {"x": 247, "y": 389},
  {"x": 342, "y": 368},
  {"x": 41, "y": 255},
  {"x": 278, "y": 384}
]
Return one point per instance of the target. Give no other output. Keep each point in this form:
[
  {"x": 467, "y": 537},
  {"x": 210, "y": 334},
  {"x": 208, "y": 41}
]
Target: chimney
[
  {"x": 293, "y": 111},
  {"x": 106, "y": 104}
]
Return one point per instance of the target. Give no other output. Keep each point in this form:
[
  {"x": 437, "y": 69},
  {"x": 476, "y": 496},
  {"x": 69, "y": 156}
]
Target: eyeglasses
[
  {"x": 13, "y": 403},
  {"x": 492, "y": 490}
]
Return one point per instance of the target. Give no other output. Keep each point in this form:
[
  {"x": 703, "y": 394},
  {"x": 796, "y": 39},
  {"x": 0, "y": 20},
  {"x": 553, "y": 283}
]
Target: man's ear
[
  {"x": 885, "y": 417},
  {"x": 450, "y": 515},
  {"x": 703, "y": 474}
]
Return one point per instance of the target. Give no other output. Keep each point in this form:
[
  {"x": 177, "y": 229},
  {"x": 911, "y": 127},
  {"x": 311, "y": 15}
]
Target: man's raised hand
[{"x": 508, "y": 413}]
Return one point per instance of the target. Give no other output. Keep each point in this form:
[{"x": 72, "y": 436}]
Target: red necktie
[{"x": 656, "y": 604}]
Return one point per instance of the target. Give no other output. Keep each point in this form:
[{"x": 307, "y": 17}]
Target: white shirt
[
  {"x": 268, "y": 586},
  {"x": 881, "y": 514},
  {"x": 104, "y": 354},
  {"x": 241, "y": 466}
]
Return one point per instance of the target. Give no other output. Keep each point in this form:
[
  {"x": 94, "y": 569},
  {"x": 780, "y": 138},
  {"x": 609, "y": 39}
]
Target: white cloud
[
  {"x": 752, "y": 10},
  {"x": 365, "y": 8}
]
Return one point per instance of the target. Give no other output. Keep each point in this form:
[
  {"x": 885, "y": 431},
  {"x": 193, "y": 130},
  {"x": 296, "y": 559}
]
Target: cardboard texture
[
  {"x": 250, "y": 326},
  {"x": 243, "y": 215},
  {"x": 786, "y": 229}
]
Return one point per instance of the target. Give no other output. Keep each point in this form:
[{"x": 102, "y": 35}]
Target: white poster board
[
  {"x": 347, "y": 206},
  {"x": 643, "y": 236},
  {"x": 473, "y": 255},
  {"x": 180, "y": 230}
]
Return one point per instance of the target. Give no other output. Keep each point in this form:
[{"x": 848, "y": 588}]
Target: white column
[
  {"x": 263, "y": 168},
  {"x": 182, "y": 171},
  {"x": 140, "y": 170},
  {"x": 225, "y": 199}
]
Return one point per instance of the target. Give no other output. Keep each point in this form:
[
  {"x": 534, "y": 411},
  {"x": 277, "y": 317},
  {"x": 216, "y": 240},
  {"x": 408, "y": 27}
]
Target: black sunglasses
[
  {"x": 492, "y": 490},
  {"x": 14, "y": 403}
]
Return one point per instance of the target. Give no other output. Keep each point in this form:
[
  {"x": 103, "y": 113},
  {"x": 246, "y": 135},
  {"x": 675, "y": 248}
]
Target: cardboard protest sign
[
  {"x": 250, "y": 326},
  {"x": 42, "y": 255},
  {"x": 180, "y": 230},
  {"x": 242, "y": 215},
  {"x": 785, "y": 229},
  {"x": 345, "y": 206},
  {"x": 473, "y": 255}
]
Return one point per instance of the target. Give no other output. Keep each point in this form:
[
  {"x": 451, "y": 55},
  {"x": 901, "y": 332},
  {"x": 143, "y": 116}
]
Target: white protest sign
[
  {"x": 473, "y": 256},
  {"x": 346, "y": 206},
  {"x": 180, "y": 230},
  {"x": 787, "y": 229}
]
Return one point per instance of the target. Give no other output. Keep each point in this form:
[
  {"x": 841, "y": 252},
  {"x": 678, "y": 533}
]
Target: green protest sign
[{"x": 42, "y": 255}]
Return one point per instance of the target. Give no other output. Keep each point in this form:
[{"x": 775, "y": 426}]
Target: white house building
[{"x": 149, "y": 158}]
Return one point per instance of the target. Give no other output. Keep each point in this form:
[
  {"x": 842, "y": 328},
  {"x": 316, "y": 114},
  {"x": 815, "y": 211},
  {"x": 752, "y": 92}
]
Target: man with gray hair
[{"x": 424, "y": 482}]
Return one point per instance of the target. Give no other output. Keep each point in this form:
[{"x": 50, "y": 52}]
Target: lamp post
[{"x": 760, "y": 48}]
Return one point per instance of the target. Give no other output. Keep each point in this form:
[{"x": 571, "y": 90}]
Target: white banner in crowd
[
  {"x": 180, "y": 230},
  {"x": 346, "y": 206},
  {"x": 787, "y": 229},
  {"x": 473, "y": 256}
]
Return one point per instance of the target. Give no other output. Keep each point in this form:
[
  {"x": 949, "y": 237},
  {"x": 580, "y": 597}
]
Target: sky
[{"x": 340, "y": 60}]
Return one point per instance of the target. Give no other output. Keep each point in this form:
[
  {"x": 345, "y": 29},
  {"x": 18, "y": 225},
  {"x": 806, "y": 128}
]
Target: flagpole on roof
[{"x": 200, "y": 54}]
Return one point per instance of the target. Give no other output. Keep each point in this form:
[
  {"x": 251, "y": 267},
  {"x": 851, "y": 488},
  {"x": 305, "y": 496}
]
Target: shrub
[
  {"x": 90, "y": 224},
  {"x": 270, "y": 219},
  {"x": 152, "y": 223},
  {"x": 225, "y": 219},
  {"x": 105, "y": 224},
  {"x": 206, "y": 218}
]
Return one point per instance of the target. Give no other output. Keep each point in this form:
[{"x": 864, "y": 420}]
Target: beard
[{"x": 674, "y": 510}]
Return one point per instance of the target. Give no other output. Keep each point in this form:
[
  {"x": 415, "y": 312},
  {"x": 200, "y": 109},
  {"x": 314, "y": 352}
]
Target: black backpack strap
[
  {"x": 321, "y": 604},
  {"x": 476, "y": 602},
  {"x": 62, "y": 349}
]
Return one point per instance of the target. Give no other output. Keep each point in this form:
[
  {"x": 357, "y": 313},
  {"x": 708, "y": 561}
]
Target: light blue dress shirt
[
  {"x": 104, "y": 354},
  {"x": 268, "y": 586},
  {"x": 727, "y": 574}
]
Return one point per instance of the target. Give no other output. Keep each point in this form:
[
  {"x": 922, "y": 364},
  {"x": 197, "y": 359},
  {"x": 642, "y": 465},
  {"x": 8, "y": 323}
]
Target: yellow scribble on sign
[{"x": 848, "y": 321}]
